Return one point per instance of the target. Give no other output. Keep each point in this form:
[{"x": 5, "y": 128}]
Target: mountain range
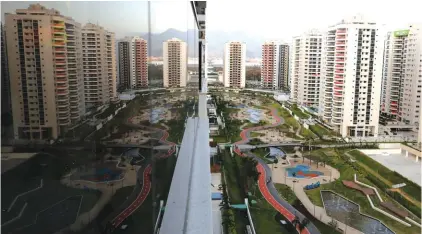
[{"x": 215, "y": 41}]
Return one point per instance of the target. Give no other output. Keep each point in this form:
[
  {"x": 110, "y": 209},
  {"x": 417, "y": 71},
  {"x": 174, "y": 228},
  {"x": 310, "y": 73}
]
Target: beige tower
[
  {"x": 44, "y": 54},
  {"x": 234, "y": 64},
  {"x": 99, "y": 62},
  {"x": 174, "y": 63}
]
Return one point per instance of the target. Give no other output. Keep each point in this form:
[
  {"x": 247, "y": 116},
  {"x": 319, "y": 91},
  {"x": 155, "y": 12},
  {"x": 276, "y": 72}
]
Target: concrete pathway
[
  {"x": 268, "y": 190},
  {"x": 279, "y": 177}
]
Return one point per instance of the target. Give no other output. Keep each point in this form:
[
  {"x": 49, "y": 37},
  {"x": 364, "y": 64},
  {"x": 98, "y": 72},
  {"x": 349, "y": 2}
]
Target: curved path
[
  {"x": 268, "y": 190},
  {"x": 146, "y": 180}
]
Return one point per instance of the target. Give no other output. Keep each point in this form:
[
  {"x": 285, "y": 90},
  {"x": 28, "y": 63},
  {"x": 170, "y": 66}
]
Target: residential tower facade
[
  {"x": 133, "y": 63},
  {"x": 174, "y": 63},
  {"x": 351, "y": 77},
  {"x": 402, "y": 75},
  {"x": 306, "y": 69},
  {"x": 44, "y": 61},
  {"x": 270, "y": 65},
  {"x": 99, "y": 62},
  {"x": 234, "y": 64}
]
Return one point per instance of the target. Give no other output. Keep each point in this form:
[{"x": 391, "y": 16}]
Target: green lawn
[
  {"x": 289, "y": 120},
  {"x": 320, "y": 130},
  {"x": 298, "y": 112},
  {"x": 219, "y": 139},
  {"x": 256, "y": 134},
  {"x": 286, "y": 192},
  {"x": 263, "y": 215},
  {"x": 338, "y": 160},
  {"x": 262, "y": 152},
  {"x": 236, "y": 196},
  {"x": 306, "y": 133}
]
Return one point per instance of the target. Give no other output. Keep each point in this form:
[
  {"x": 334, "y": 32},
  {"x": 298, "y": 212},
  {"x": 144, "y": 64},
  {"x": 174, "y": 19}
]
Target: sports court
[{"x": 407, "y": 167}]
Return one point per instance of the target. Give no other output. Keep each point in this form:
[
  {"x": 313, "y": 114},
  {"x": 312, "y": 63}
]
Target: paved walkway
[
  {"x": 268, "y": 190},
  {"x": 279, "y": 177}
]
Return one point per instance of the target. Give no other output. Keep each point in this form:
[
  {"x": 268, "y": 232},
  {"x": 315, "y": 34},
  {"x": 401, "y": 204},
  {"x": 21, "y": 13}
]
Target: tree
[{"x": 303, "y": 223}]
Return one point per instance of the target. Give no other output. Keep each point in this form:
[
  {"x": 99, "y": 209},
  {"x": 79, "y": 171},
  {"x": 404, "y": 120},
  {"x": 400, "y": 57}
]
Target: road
[
  {"x": 146, "y": 180},
  {"x": 268, "y": 190}
]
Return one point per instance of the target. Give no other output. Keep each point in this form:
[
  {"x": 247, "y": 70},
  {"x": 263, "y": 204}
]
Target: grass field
[
  {"x": 320, "y": 130},
  {"x": 256, "y": 134},
  {"x": 262, "y": 152},
  {"x": 298, "y": 112},
  {"x": 263, "y": 216},
  {"x": 286, "y": 193},
  {"x": 307, "y": 133},
  {"x": 289, "y": 120},
  {"x": 235, "y": 193}
]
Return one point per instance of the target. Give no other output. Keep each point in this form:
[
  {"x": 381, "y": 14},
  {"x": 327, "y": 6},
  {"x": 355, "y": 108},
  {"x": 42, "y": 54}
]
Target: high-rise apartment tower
[
  {"x": 99, "y": 62},
  {"x": 270, "y": 65},
  {"x": 174, "y": 63},
  {"x": 306, "y": 68},
  {"x": 283, "y": 68},
  {"x": 402, "y": 75},
  {"x": 351, "y": 77},
  {"x": 133, "y": 63},
  {"x": 45, "y": 66},
  {"x": 234, "y": 64}
]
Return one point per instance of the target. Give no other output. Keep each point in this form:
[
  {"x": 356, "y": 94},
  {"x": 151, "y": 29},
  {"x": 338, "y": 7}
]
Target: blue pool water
[{"x": 302, "y": 171}]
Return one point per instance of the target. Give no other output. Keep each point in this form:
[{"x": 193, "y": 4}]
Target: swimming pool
[{"x": 302, "y": 171}]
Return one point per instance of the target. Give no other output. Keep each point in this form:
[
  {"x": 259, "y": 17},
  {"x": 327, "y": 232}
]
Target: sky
[{"x": 275, "y": 19}]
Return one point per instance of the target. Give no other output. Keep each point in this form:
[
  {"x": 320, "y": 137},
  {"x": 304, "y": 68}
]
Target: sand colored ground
[{"x": 133, "y": 137}]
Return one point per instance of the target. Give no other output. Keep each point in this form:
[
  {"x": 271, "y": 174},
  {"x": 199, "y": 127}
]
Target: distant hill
[{"x": 215, "y": 39}]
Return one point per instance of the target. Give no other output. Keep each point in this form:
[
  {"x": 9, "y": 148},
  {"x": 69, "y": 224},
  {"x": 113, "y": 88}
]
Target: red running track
[
  {"x": 138, "y": 201},
  {"x": 146, "y": 185},
  {"x": 262, "y": 183}
]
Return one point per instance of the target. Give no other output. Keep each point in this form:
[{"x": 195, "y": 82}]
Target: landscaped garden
[
  {"x": 298, "y": 112},
  {"x": 347, "y": 169},
  {"x": 384, "y": 178},
  {"x": 321, "y": 131}
]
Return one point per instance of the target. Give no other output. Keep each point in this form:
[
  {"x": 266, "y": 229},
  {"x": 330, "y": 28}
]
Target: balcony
[
  {"x": 59, "y": 25},
  {"x": 62, "y": 86},
  {"x": 339, "y": 71},
  {"x": 59, "y": 62},
  {"x": 338, "y": 94},
  {"x": 341, "y": 32},
  {"x": 340, "y": 55},
  {"x": 59, "y": 44},
  {"x": 62, "y": 93},
  {"x": 58, "y": 32},
  {"x": 62, "y": 104}
]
